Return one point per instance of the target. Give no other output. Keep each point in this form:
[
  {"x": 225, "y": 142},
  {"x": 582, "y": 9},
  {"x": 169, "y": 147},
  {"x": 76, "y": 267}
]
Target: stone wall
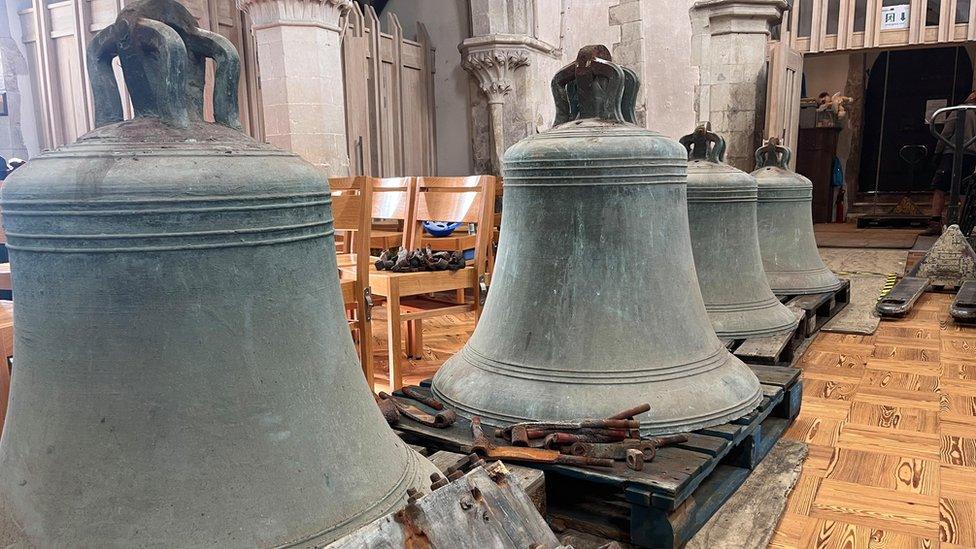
[{"x": 18, "y": 133}]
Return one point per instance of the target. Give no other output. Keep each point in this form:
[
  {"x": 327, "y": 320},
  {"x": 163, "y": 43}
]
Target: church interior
[{"x": 547, "y": 274}]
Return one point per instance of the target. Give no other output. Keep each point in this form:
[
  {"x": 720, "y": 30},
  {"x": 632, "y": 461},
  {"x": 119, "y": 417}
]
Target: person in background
[{"x": 942, "y": 181}]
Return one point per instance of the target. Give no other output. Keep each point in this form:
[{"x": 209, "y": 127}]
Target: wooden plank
[
  {"x": 477, "y": 510},
  {"x": 774, "y": 375},
  {"x": 767, "y": 350}
]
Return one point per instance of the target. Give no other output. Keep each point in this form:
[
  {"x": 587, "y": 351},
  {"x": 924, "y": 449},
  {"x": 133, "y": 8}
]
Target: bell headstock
[{"x": 163, "y": 55}]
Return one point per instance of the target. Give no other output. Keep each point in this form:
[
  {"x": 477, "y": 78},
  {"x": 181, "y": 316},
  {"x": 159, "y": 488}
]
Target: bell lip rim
[{"x": 729, "y": 413}]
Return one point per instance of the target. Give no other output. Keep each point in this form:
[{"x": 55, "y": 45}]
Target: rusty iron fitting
[
  {"x": 635, "y": 459},
  {"x": 631, "y": 412},
  {"x": 520, "y": 436},
  {"x": 414, "y": 393}
]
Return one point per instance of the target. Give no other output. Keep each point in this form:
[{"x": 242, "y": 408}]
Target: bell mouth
[{"x": 724, "y": 393}]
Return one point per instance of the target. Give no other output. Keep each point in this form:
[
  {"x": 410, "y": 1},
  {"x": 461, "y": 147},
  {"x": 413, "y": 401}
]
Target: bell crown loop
[
  {"x": 703, "y": 144},
  {"x": 773, "y": 155},
  {"x": 163, "y": 55},
  {"x": 593, "y": 86}
]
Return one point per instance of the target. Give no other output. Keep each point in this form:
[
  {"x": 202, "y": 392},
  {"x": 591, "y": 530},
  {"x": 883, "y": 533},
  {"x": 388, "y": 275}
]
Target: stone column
[
  {"x": 300, "y": 59},
  {"x": 12, "y": 64},
  {"x": 733, "y": 55},
  {"x": 492, "y": 63}
]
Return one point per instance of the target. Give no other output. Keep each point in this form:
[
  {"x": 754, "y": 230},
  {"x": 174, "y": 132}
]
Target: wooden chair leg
[
  {"x": 395, "y": 343},
  {"x": 415, "y": 338}
]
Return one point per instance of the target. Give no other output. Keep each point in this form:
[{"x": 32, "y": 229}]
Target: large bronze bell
[
  {"x": 184, "y": 375},
  {"x": 594, "y": 305},
  {"x": 724, "y": 237},
  {"x": 785, "y": 222}
]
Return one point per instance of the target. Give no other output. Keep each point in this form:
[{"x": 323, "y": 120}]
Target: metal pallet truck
[{"x": 951, "y": 262}]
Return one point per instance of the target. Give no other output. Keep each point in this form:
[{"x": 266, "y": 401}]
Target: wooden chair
[
  {"x": 462, "y": 199},
  {"x": 461, "y": 240},
  {"x": 351, "y": 207}
]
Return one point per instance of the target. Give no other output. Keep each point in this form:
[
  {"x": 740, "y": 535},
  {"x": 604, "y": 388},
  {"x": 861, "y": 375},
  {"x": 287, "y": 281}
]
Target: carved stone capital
[
  {"x": 326, "y": 14},
  {"x": 741, "y": 16},
  {"x": 493, "y": 59}
]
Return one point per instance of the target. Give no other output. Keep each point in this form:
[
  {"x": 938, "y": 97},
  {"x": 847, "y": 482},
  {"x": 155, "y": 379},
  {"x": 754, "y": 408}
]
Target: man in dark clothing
[{"x": 942, "y": 181}]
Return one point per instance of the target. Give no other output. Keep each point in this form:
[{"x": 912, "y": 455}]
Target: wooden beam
[
  {"x": 916, "y": 21},
  {"x": 845, "y": 23},
  {"x": 82, "y": 37},
  {"x": 971, "y": 23}
]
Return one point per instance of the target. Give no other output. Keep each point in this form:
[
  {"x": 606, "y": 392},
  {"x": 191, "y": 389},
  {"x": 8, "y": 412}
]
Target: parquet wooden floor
[
  {"x": 890, "y": 420},
  {"x": 443, "y": 336}
]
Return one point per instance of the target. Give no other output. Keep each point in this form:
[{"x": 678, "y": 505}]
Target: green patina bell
[
  {"x": 595, "y": 305},
  {"x": 785, "y": 222},
  {"x": 725, "y": 240},
  {"x": 184, "y": 374}
]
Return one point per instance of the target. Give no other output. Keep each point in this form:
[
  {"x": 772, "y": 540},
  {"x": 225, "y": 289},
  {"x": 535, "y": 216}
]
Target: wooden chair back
[
  {"x": 394, "y": 199},
  {"x": 351, "y": 204},
  {"x": 351, "y": 208},
  {"x": 457, "y": 199}
]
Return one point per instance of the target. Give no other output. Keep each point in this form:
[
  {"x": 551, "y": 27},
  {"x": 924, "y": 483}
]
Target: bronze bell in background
[
  {"x": 595, "y": 305},
  {"x": 184, "y": 375},
  {"x": 722, "y": 218},
  {"x": 785, "y": 222}
]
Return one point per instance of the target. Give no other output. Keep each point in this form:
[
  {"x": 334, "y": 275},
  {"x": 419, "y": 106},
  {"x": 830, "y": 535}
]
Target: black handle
[
  {"x": 593, "y": 87},
  {"x": 945, "y": 111},
  {"x": 773, "y": 154},
  {"x": 703, "y": 144},
  {"x": 163, "y": 55}
]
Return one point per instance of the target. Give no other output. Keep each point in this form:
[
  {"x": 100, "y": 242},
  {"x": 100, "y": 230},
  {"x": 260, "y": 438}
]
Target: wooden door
[{"x": 783, "y": 94}]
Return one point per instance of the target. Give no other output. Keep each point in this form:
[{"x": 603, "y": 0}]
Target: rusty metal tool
[
  {"x": 389, "y": 410},
  {"x": 629, "y": 413},
  {"x": 413, "y": 392},
  {"x": 484, "y": 446},
  {"x": 440, "y": 420},
  {"x": 619, "y": 450}
]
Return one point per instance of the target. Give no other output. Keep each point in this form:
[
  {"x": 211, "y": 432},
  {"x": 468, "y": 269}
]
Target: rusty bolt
[{"x": 635, "y": 459}]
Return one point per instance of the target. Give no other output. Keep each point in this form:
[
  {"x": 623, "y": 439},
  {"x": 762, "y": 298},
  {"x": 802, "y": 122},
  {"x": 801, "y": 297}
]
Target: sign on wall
[{"x": 894, "y": 17}]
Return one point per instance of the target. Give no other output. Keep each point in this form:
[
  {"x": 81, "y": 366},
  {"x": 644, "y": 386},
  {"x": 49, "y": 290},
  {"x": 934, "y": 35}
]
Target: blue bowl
[{"x": 440, "y": 228}]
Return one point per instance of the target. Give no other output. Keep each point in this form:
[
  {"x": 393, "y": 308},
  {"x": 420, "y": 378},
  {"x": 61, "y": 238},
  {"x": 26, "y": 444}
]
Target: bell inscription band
[
  {"x": 185, "y": 376},
  {"x": 722, "y": 216},
  {"x": 785, "y": 222},
  {"x": 595, "y": 305}
]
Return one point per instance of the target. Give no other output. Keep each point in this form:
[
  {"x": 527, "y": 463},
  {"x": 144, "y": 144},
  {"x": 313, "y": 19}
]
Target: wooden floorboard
[{"x": 891, "y": 423}]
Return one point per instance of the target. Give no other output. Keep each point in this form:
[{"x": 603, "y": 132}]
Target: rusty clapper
[
  {"x": 602, "y": 308},
  {"x": 725, "y": 240},
  {"x": 785, "y": 221},
  {"x": 185, "y": 375}
]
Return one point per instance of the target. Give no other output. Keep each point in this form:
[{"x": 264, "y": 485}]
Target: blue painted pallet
[{"x": 671, "y": 499}]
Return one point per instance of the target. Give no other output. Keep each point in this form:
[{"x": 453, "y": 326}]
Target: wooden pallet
[
  {"x": 778, "y": 350},
  {"x": 674, "y": 496},
  {"x": 819, "y": 308},
  {"x": 813, "y": 311}
]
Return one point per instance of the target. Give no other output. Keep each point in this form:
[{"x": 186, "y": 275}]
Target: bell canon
[
  {"x": 724, "y": 237},
  {"x": 595, "y": 305},
  {"x": 184, "y": 374},
  {"x": 785, "y": 222}
]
